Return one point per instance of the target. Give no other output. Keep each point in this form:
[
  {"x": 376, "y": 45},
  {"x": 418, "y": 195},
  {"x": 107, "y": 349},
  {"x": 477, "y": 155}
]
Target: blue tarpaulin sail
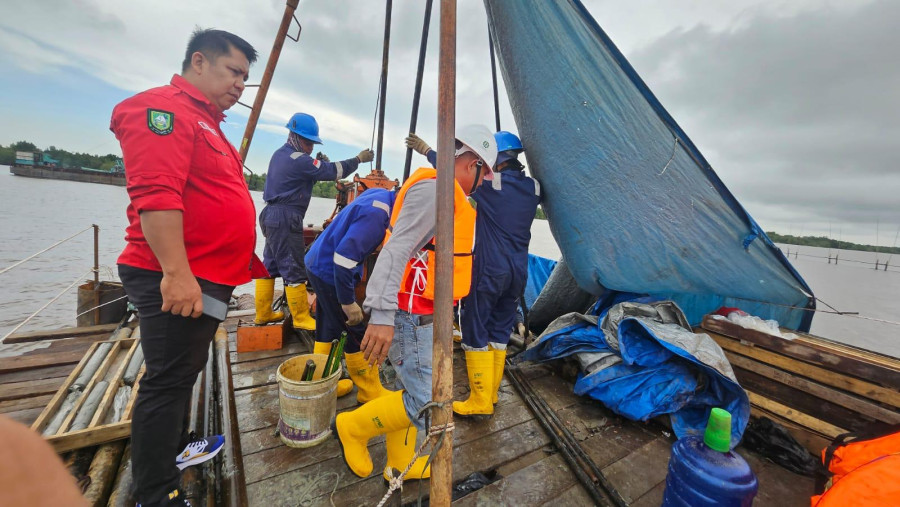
[{"x": 632, "y": 203}]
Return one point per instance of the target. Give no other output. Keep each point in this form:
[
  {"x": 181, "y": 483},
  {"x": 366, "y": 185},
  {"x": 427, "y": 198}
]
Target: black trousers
[{"x": 175, "y": 352}]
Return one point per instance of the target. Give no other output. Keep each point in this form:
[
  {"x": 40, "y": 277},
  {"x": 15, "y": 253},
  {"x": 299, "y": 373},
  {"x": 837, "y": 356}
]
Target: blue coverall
[
  {"x": 336, "y": 259},
  {"x": 506, "y": 209},
  {"x": 288, "y": 190}
]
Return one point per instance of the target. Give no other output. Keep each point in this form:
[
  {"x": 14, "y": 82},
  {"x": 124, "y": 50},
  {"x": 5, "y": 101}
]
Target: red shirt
[{"x": 177, "y": 158}]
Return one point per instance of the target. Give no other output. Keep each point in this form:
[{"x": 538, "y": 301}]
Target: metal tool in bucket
[{"x": 307, "y": 407}]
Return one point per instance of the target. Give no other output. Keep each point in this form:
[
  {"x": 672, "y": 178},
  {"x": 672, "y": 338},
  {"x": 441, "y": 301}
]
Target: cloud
[
  {"x": 796, "y": 111},
  {"x": 792, "y": 102}
]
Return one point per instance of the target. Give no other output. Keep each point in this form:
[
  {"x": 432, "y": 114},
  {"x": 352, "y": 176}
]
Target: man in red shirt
[{"x": 191, "y": 233}]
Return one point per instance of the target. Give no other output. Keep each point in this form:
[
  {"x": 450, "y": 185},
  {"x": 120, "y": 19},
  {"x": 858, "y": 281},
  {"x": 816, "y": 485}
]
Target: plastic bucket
[{"x": 307, "y": 408}]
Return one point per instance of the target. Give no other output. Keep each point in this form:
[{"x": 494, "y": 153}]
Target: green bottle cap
[{"x": 718, "y": 430}]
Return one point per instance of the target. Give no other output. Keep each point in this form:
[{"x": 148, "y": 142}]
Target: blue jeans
[{"x": 410, "y": 354}]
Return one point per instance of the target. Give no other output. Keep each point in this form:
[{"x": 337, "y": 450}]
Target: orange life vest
[
  {"x": 866, "y": 472},
  {"x": 463, "y": 239}
]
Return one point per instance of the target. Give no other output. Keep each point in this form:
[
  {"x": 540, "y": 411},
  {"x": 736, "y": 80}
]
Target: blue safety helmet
[
  {"x": 508, "y": 146},
  {"x": 508, "y": 141},
  {"x": 305, "y": 126}
]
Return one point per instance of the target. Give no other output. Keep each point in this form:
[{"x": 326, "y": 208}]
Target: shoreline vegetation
[
  {"x": 824, "y": 242},
  {"x": 65, "y": 158}
]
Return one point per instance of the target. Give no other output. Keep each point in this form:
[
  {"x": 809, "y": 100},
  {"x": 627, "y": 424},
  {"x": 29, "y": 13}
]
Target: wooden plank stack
[{"x": 814, "y": 387}]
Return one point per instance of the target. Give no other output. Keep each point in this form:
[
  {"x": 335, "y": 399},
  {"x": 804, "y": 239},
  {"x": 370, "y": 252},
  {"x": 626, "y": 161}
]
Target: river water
[{"x": 37, "y": 213}]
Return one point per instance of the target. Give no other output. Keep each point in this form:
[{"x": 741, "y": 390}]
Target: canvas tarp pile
[{"x": 641, "y": 360}]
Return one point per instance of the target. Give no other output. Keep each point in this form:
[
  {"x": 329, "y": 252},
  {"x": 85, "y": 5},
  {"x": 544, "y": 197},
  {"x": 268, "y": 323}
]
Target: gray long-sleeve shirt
[{"x": 414, "y": 228}]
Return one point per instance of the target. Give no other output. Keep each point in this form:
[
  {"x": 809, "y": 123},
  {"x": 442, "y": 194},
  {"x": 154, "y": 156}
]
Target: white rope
[
  {"x": 674, "y": 151},
  {"x": 396, "y": 483},
  {"x": 100, "y": 305},
  {"x": 54, "y": 245},
  {"x": 77, "y": 281}
]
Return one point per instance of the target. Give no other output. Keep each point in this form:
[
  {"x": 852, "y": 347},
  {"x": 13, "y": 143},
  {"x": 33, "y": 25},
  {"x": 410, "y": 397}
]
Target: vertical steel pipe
[
  {"x": 442, "y": 382},
  {"x": 494, "y": 77},
  {"x": 384, "y": 81},
  {"x": 96, "y": 273},
  {"x": 417, "y": 94},
  {"x": 234, "y": 485}
]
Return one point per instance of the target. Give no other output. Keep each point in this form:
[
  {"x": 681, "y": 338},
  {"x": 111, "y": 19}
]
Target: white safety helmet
[{"x": 479, "y": 140}]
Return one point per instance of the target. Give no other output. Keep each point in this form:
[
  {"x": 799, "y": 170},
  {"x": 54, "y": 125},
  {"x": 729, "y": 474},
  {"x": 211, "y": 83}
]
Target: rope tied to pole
[
  {"x": 54, "y": 245},
  {"x": 48, "y": 303},
  {"x": 440, "y": 430}
]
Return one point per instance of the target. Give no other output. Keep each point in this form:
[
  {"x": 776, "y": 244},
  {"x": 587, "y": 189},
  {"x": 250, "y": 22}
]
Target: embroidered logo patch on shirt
[{"x": 160, "y": 122}]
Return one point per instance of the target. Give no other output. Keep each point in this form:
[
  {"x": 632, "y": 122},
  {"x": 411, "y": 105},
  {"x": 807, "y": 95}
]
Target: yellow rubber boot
[
  {"x": 265, "y": 293},
  {"x": 480, "y": 367},
  {"x": 354, "y": 429},
  {"x": 365, "y": 377},
  {"x": 344, "y": 385},
  {"x": 457, "y": 333},
  {"x": 299, "y": 305},
  {"x": 401, "y": 447},
  {"x": 499, "y": 365}
]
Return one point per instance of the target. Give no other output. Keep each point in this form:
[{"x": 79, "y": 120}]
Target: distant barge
[{"x": 39, "y": 165}]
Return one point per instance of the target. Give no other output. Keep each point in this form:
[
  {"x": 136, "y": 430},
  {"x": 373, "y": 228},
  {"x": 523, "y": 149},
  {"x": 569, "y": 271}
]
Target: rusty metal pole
[
  {"x": 442, "y": 381},
  {"x": 96, "y": 273},
  {"x": 267, "y": 77},
  {"x": 384, "y": 81},
  {"x": 417, "y": 94}
]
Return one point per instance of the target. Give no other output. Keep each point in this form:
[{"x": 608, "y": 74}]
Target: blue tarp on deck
[
  {"x": 632, "y": 203},
  {"x": 641, "y": 360}
]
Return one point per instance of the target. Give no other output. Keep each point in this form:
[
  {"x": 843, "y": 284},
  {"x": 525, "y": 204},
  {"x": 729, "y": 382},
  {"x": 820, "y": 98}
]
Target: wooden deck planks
[
  {"x": 641, "y": 470},
  {"x": 512, "y": 443},
  {"x": 535, "y": 484},
  {"x": 30, "y": 388},
  {"x": 56, "y": 371}
]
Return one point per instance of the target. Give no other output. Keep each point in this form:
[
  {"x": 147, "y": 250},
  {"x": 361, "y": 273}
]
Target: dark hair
[{"x": 214, "y": 43}]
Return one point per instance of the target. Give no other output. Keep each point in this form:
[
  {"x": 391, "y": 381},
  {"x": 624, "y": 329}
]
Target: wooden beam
[
  {"x": 868, "y": 366},
  {"x": 806, "y": 420},
  {"x": 832, "y": 378},
  {"x": 441, "y": 487},
  {"x": 90, "y": 436},
  {"x": 18, "y": 390},
  {"x": 804, "y": 402},
  {"x": 66, "y": 332},
  {"x": 61, "y": 394},
  {"x": 97, "y": 377},
  {"x": 28, "y": 362},
  {"x": 115, "y": 381},
  {"x": 848, "y": 401}
]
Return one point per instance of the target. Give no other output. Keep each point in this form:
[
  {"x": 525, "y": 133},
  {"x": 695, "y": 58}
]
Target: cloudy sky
[{"x": 793, "y": 102}]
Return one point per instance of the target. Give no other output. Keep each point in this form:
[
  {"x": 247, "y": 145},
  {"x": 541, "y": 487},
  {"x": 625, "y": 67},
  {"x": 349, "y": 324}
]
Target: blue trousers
[
  {"x": 330, "y": 318},
  {"x": 410, "y": 354},
  {"x": 488, "y": 313},
  {"x": 283, "y": 254}
]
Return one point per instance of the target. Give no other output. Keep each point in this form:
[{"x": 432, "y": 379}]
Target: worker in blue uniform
[
  {"x": 506, "y": 209},
  {"x": 289, "y": 182},
  {"x": 334, "y": 266}
]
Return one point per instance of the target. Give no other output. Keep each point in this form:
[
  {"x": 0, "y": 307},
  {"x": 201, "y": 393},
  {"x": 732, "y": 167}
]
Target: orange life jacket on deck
[
  {"x": 866, "y": 472},
  {"x": 463, "y": 240}
]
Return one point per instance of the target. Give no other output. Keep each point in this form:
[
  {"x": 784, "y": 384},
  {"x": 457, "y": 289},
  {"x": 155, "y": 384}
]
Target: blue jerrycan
[{"x": 703, "y": 471}]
